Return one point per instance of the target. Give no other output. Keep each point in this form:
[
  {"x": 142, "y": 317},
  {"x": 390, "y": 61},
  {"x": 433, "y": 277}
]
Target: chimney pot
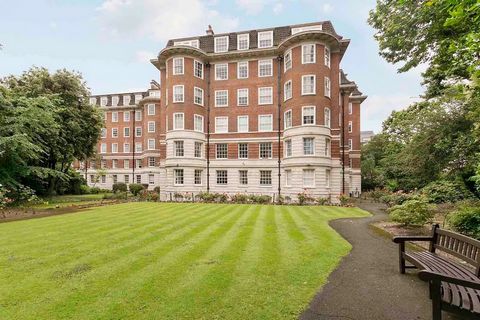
[{"x": 210, "y": 30}]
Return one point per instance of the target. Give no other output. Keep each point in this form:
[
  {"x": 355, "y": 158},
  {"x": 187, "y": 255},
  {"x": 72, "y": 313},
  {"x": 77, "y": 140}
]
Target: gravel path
[{"x": 367, "y": 284}]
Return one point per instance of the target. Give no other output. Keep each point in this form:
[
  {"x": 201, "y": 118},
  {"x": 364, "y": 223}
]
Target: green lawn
[
  {"x": 169, "y": 261},
  {"x": 69, "y": 200}
]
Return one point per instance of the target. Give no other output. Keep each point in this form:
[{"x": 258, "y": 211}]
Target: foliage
[
  {"x": 466, "y": 220},
  {"x": 146, "y": 195},
  {"x": 240, "y": 198},
  {"x": 120, "y": 195},
  {"x": 397, "y": 198},
  {"x": 135, "y": 188},
  {"x": 445, "y": 34},
  {"x": 260, "y": 199},
  {"x": 412, "y": 212},
  {"x": 344, "y": 200},
  {"x": 322, "y": 201},
  {"x": 119, "y": 187},
  {"x": 304, "y": 198},
  {"x": 376, "y": 194},
  {"x": 46, "y": 122},
  {"x": 156, "y": 189},
  {"x": 84, "y": 189},
  {"x": 442, "y": 191}
]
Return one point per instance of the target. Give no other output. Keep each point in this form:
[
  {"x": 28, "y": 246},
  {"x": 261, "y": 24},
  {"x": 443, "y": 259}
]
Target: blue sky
[{"x": 111, "y": 41}]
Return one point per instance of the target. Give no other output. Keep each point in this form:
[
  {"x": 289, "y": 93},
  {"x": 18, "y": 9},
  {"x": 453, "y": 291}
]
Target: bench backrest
[{"x": 458, "y": 245}]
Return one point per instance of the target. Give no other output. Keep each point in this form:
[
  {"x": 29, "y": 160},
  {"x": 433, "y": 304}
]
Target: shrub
[
  {"x": 288, "y": 199},
  {"x": 263, "y": 199},
  {"x": 322, "y": 201},
  {"x": 84, "y": 189},
  {"x": 221, "y": 197},
  {"x": 135, "y": 188},
  {"x": 119, "y": 187},
  {"x": 156, "y": 189},
  {"x": 95, "y": 190},
  {"x": 240, "y": 198},
  {"x": 178, "y": 196},
  {"x": 304, "y": 198},
  {"x": 206, "y": 197},
  {"x": 412, "y": 212},
  {"x": 397, "y": 198},
  {"x": 344, "y": 199},
  {"x": 466, "y": 220},
  {"x": 281, "y": 199},
  {"x": 146, "y": 195},
  {"x": 377, "y": 194},
  {"x": 442, "y": 191},
  {"x": 118, "y": 195}
]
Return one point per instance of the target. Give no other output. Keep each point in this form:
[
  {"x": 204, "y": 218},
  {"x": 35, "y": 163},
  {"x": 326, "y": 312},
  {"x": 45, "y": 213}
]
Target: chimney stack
[{"x": 210, "y": 31}]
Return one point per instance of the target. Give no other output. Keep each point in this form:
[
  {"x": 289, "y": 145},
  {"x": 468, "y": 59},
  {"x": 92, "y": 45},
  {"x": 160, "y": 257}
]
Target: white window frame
[
  {"x": 327, "y": 115},
  {"x": 218, "y": 66},
  {"x": 216, "y": 124},
  {"x": 178, "y": 177},
  {"x": 200, "y": 147},
  {"x": 197, "y": 119},
  {"x": 260, "y": 150},
  {"x": 114, "y": 132},
  {"x": 304, "y": 93},
  {"x": 312, "y": 139},
  {"x": 126, "y": 100},
  {"x": 350, "y": 126},
  {"x": 198, "y": 93},
  {"x": 239, "y": 154},
  {"x": 314, "y": 57},
  {"x": 243, "y": 179},
  {"x": 195, "y": 64},
  {"x": 239, "y": 64},
  {"x": 217, "y": 92},
  {"x": 262, "y": 34},
  {"x": 285, "y": 124},
  {"x": 314, "y": 115},
  {"x": 125, "y": 135},
  {"x": 197, "y": 173},
  {"x": 244, "y": 35},
  {"x": 350, "y": 108},
  {"x": 287, "y": 145},
  {"x": 328, "y": 147},
  {"x": 151, "y": 179},
  {"x": 181, "y": 151},
  {"x": 265, "y": 177},
  {"x": 174, "y": 71},
  {"x": 126, "y": 164},
  {"x": 262, "y": 116},
  {"x": 216, "y": 150},
  {"x": 238, "y": 123},
  {"x": 243, "y": 90},
  {"x": 103, "y": 101},
  {"x": 289, "y": 96},
  {"x": 103, "y": 148},
  {"x": 149, "y": 126},
  {"x": 149, "y": 145},
  {"x": 115, "y": 150},
  {"x": 138, "y": 147},
  {"x": 138, "y": 115},
  {"x": 327, "y": 56},
  {"x": 126, "y": 116},
  {"x": 217, "y": 39},
  {"x": 313, "y": 178},
  {"x": 151, "y": 109},
  {"x": 268, "y": 62},
  {"x": 288, "y": 177},
  {"x": 226, "y": 177},
  {"x": 150, "y": 160},
  {"x": 350, "y": 144},
  {"x": 175, "y": 122},
  {"x": 115, "y": 119},
  {"x": 103, "y": 133},
  {"x": 259, "y": 96},
  {"x": 327, "y": 87},
  {"x": 287, "y": 62},
  {"x": 138, "y": 132},
  {"x": 126, "y": 147},
  {"x": 328, "y": 177},
  {"x": 175, "y": 100}
]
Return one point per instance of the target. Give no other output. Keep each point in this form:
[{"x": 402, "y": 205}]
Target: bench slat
[{"x": 462, "y": 297}]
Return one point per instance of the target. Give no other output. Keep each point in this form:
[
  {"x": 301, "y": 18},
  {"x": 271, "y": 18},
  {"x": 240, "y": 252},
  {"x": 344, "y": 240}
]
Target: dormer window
[
  {"x": 114, "y": 101},
  {"x": 265, "y": 39},
  {"x": 221, "y": 44},
  {"x": 93, "y": 100},
  {"x": 126, "y": 100},
  {"x": 190, "y": 43},
  {"x": 103, "y": 101},
  {"x": 138, "y": 97},
  {"x": 243, "y": 41}
]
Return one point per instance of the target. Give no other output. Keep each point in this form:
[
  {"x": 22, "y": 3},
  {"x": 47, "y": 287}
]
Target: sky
[{"x": 111, "y": 41}]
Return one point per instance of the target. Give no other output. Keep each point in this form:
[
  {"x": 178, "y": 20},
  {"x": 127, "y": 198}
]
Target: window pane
[{"x": 221, "y": 124}]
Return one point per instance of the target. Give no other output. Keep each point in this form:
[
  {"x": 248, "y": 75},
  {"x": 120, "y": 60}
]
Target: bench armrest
[
  {"x": 438, "y": 277},
  {"x": 401, "y": 239}
]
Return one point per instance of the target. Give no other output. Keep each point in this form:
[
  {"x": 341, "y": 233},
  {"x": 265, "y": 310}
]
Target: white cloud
[
  {"x": 327, "y": 8},
  {"x": 144, "y": 56},
  {"x": 278, "y": 8},
  {"x": 161, "y": 19},
  {"x": 377, "y": 108}
]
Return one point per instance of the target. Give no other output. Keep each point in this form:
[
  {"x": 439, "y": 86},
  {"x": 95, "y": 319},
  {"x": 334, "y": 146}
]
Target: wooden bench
[{"x": 454, "y": 287}]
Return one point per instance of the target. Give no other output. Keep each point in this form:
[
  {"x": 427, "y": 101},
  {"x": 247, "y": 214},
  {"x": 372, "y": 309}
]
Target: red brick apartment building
[{"x": 261, "y": 111}]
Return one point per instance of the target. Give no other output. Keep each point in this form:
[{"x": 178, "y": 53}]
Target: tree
[
  {"x": 52, "y": 114},
  {"x": 445, "y": 34}
]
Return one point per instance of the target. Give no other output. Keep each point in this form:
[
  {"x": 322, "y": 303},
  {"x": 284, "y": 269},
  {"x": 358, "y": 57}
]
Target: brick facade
[{"x": 195, "y": 77}]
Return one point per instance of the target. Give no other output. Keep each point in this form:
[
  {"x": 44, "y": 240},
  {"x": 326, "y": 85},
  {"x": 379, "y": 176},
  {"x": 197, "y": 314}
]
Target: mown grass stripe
[
  {"x": 172, "y": 265},
  {"x": 210, "y": 275},
  {"x": 125, "y": 257}
]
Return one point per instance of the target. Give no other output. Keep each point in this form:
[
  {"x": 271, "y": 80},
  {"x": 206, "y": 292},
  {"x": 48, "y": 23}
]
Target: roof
[{"x": 206, "y": 42}]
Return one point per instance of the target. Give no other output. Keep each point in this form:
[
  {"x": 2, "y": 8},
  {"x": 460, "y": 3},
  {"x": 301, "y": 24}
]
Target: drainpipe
[
  {"x": 343, "y": 140},
  {"x": 279, "y": 117},
  {"x": 133, "y": 145},
  {"x": 207, "y": 74}
]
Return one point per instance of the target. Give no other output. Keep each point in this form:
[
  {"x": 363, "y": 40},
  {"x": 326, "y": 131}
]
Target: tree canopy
[{"x": 46, "y": 122}]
